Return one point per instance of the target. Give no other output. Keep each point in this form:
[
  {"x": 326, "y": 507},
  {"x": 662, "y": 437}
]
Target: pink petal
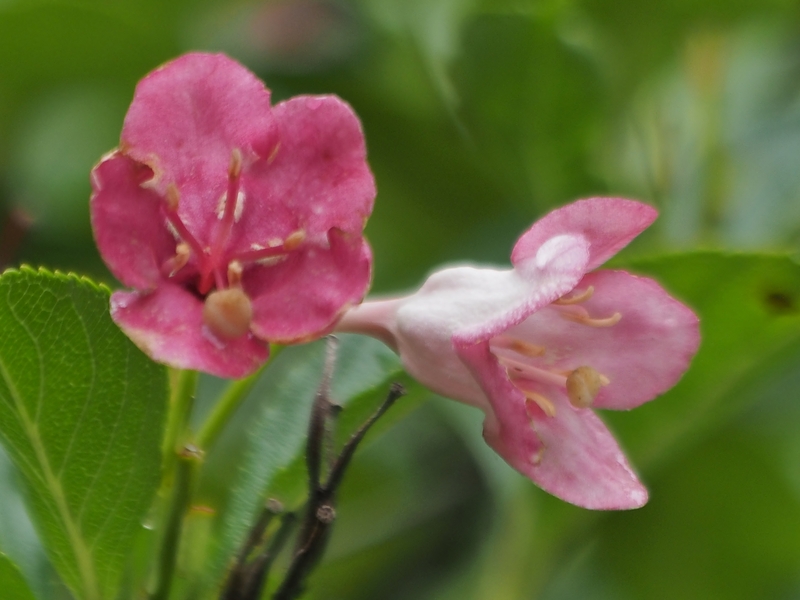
[
  {"x": 127, "y": 222},
  {"x": 301, "y": 297},
  {"x": 536, "y": 281},
  {"x": 571, "y": 455},
  {"x": 643, "y": 355},
  {"x": 608, "y": 224},
  {"x": 168, "y": 326},
  {"x": 185, "y": 120},
  {"x": 317, "y": 180}
]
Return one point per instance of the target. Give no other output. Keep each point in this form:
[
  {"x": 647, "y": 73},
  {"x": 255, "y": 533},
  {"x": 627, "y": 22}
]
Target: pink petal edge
[
  {"x": 167, "y": 325},
  {"x": 608, "y": 224}
]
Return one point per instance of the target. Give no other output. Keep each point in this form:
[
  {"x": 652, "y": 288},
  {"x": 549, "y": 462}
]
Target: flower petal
[
  {"x": 608, "y": 224},
  {"x": 301, "y": 297},
  {"x": 318, "y": 179},
  {"x": 643, "y": 355},
  {"x": 168, "y": 326},
  {"x": 128, "y": 226},
  {"x": 571, "y": 455},
  {"x": 185, "y": 120}
]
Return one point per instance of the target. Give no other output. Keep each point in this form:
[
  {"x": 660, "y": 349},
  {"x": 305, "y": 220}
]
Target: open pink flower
[
  {"x": 536, "y": 346},
  {"x": 236, "y": 223}
]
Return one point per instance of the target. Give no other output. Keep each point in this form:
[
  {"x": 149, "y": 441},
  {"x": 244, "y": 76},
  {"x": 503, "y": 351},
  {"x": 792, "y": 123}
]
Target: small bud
[
  {"x": 326, "y": 514},
  {"x": 228, "y": 313}
]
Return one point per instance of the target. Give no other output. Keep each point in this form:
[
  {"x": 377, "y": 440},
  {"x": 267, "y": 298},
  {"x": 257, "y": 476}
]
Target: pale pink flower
[
  {"x": 236, "y": 223},
  {"x": 536, "y": 346}
]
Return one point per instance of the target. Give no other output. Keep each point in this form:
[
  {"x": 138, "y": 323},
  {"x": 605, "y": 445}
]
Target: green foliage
[
  {"x": 272, "y": 465},
  {"x": 82, "y": 417},
  {"x": 13, "y": 584}
]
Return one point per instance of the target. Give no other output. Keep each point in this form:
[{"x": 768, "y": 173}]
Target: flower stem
[
  {"x": 180, "y": 459},
  {"x": 184, "y": 385},
  {"x": 227, "y": 404}
]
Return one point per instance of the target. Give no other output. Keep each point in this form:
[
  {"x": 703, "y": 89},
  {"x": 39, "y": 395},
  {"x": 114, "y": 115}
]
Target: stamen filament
[
  {"x": 587, "y": 320},
  {"x": 292, "y": 242},
  {"x": 519, "y": 346},
  {"x": 171, "y": 213},
  {"x": 519, "y": 371},
  {"x": 177, "y": 262},
  {"x": 542, "y": 402},
  {"x": 231, "y": 199},
  {"x": 577, "y": 298}
]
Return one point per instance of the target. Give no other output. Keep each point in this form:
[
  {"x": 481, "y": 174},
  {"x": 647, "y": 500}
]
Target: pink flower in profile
[
  {"x": 236, "y": 223},
  {"x": 538, "y": 346}
]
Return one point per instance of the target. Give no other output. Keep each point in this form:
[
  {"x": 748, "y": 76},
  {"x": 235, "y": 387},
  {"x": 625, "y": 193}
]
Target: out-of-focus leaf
[
  {"x": 18, "y": 537},
  {"x": 12, "y": 583},
  {"x": 81, "y": 416},
  {"x": 277, "y": 437}
]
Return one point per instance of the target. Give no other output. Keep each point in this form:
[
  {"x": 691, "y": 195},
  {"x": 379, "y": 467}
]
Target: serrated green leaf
[
  {"x": 81, "y": 415},
  {"x": 277, "y": 439},
  {"x": 12, "y": 583}
]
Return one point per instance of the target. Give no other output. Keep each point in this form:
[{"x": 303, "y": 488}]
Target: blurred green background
[{"x": 481, "y": 115}]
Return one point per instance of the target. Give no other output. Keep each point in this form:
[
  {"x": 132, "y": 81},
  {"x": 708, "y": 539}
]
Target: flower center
[
  {"x": 522, "y": 361},
  {"x": 214, "y": 273}
]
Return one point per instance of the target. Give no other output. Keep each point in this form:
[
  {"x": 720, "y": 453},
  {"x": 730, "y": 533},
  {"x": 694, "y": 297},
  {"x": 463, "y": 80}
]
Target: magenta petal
[
  {"x": 301, "y": 297},
  {"x": 168, "y": 326},
  {"x": 317, "y": 180},
  {"x": 608, "y": 224},
  {"x": 127, "y": 222},
  {"x": 185, "y": 120},
  {"x": 572, "y": 455},
  {"x": 643, "y": 355}
]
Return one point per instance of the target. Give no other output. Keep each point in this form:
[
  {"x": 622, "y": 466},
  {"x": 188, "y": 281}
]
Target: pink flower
[
  {"x": 536, "y": 346},
  {"x": 236, "y": 223}
]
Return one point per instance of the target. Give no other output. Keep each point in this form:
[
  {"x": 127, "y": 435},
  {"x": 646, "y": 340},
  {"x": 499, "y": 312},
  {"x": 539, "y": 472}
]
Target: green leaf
[
  {"x": 12, "y": 583},
  {"x": 276, "y": 441},
  {"x": 81, "y": 415},
  {"x": 749, "y": 309}
]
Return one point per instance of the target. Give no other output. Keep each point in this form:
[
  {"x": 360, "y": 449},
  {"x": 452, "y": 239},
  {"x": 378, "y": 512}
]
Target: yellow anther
[
  {"x": 577, "y": 298},
  {"x": 274, "y": 153},
  {"x": 235, "y": 270},
  {"x": 525, "y": 348},
  {"x": 584, "y": 319},
  {"x": 177, "y": 262},
  {"x": 294, "y": 240},
  {"x": 235, "y": 166},
  {"x": 542, "y": 402},
  {"x": 536, "y": 457},
  {"x": 173, "y": 197},
  {"x": 228, "y": 313},
  {"x": 583, "y": 384}
]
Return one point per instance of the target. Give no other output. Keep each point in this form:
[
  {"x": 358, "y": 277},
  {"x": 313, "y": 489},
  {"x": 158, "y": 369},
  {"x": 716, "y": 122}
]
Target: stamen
[
  {"x": 235, "y": 166},
  {"x": 583, "y": 384},
  {"x": 585, "y": 319},
  {"x": 172, "y": 201},
  {"x": 235, "y": 270},
  {"x": 518, "y": 346},
  {"x": 177, "y": 262},
  {"x": 274, "y": 153},
  {"x": 228, "y": 313},
  {"x": 292, "y": 242},
  {"x": 577, "y": 298},
  {"x": 519, "y": 371},
  {"x": 542, "y": 402}
]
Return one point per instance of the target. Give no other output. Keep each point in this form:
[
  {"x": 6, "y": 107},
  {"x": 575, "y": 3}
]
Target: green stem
[
  {"x": 184, "y": 385},
  {"x": 226, "y": 406},
  {"x": 180, "y": 456}
]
